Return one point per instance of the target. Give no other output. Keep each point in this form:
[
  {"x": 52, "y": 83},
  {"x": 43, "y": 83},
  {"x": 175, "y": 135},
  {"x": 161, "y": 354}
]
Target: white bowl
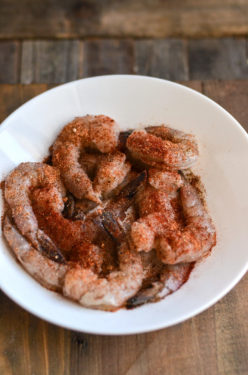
[{"x": 135, "y": 101}]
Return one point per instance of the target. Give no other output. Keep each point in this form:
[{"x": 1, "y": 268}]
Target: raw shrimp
[
  {"x": 114, "y": 222},
  {"x": 159, "y": 229},
  {"x": 162, "y": 146},
  {"x": 95, "y": 132},
  {"x": 18, "y": 187},
  {"x": 73, "y": 237},
  {"x": 89, "y": 163},
  {"x": 112, "y": 170},
  {"x": 46, "y": 271},
  {"x": 156, "y": 215},
  {"x": 173, "y": 277},
  {"x": 167, "y": 180},
  {"x": 170, "y": 279},
  {"x": 111, "y": 292},
  {"x": 196, "y": 239},
  {"x": 65, "y": 233}
]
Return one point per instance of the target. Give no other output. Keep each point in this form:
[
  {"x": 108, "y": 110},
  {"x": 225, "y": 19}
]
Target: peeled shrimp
[
  {"x": 158, "y": 228},
  {"x": 18, "y": 187},
  {"x": 170, "y": 279},
  {"x": 167, "y": 180},
  {"x": 46, "y": 271},
  {"x": 198, "y": 236},
  {"x": 111, "y": 171},
  {"x": 106, "y": 293},
  {"x": 49, "y": 273},
  {"x": 35, "y": 195},
  {"x": 95, "y": 132},
  {"x": 162, "y": 146},
  {"x": 156, "y": 215},
  {"x": 65, "y": 233}
]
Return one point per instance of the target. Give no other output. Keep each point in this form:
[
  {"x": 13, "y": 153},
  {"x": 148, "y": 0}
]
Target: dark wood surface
[
  {"x": 214, "y": 342},
  {"x": 139, "y": 18},
  {"x": 53, "y": 61}
]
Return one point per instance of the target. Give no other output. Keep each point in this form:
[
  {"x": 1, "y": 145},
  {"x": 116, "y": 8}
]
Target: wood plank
[
  {"x": 163, "y": 58},
  {"x": 62, "y": 61},
  {"x": 218, "y": 59},
  {"x": 149, "y": 18},
  {"x": 195, "y": 85},
  {"x": 49, "y": 61},
  {"x": 232, "y": 343},
  {"x": 108, "y": 57},
  {"x": 214, "y": 342},
  {"x": 232, "y": 95},
  {"x": 9, "y": 61}
]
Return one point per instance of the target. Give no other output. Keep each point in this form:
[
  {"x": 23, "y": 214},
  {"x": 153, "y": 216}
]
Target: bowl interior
[{"x": 134, "y": 102}]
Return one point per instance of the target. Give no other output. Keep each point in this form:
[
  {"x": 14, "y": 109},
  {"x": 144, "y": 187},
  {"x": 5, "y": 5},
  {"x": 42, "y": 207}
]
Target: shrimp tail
[
  {"x": 111, "y": 226},
  {"x": 48, "y": 248},
  {"x": 145, "y": 295},
  {"x": 132, "y": 188},
  {"x": 109, "y": 219},
  {"x": 123, "y": 136}
]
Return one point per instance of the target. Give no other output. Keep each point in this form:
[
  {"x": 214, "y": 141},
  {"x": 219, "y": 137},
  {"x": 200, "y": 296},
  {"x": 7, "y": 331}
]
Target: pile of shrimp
[{"x": 110, "y": 219}]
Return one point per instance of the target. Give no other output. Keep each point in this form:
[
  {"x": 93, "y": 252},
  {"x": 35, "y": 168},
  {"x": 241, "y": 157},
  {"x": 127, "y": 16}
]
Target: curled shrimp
[
  {"x": 48, "y": 272},
  {"x": 158, "y": 228},
  {"x": 18, "y": 190},
  {"x": 95, "y": 132},
  {"x": 64, "y": 232},
  {"x": 36, "y": 195},
  {"x": 162, "y": 146},
  {"x": 107, "y": 293},
  {"x": 196, "y": 239},
  {"x": 111, "y": 171},
  {"x": 156, "y": 215}
]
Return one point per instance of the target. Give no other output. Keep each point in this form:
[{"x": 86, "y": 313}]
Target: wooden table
[{"x": 41, "y": 46}]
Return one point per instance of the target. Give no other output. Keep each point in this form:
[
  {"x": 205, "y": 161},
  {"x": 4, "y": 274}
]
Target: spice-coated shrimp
[
  {"x": 18, "y": 190},
  {"x": 111, "y": 171},
  {"x": 106, "y": 293},
  {"x": 162, "y": 146},
  {"x": 95, "y": 132},
  {"x": 196, "y": 239},
  {"x": 170, "y": 279},
  {"x": 166, "y": 180},
  {"x": 156, "y": 215},
  {"x": 159, "y": 230},
  {"x": 48, "y": 272}
]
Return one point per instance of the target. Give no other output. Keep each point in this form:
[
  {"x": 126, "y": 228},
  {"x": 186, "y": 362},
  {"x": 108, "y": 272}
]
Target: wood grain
[
  {"x": 59, "y": 61},
  {"x": 108, "y": 57},
  {"x": 139, "y": 18},
  {"x": 9, "y": 62},
  {"x": 214, "y": 342},
  {"x": 49, "y": 61},
  {"x": 223, "y": 58},
  {"x": 164, "y": 58}
]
